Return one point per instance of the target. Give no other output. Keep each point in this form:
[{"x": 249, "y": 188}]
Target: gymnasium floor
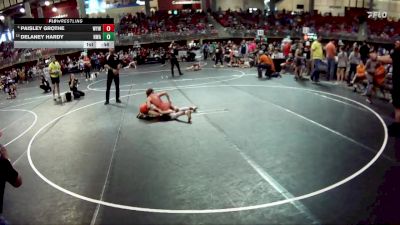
[{"x": 258, "y": 152}]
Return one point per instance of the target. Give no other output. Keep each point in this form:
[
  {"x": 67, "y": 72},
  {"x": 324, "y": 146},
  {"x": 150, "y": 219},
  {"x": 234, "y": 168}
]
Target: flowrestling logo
[{"x": 377, "y": 14}]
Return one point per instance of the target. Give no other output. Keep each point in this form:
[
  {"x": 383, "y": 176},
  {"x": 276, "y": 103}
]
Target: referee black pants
[
  {"x": 110, "y": 78},
  {"x": 174, "y": 62}
]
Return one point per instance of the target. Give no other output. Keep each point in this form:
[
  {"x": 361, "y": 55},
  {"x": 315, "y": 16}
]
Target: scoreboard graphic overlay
[{"x": 64, "y": 33}]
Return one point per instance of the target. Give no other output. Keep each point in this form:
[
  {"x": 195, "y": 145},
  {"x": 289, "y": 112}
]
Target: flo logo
[{"x": 377, "y": 15}]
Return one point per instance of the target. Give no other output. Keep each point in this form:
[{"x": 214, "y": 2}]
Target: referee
[
  {"x": 174, "y": 59},
  {"x": 113, "y": 64}
]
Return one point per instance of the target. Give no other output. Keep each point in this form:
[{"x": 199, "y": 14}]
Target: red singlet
[{"x": 156, "y": 100}]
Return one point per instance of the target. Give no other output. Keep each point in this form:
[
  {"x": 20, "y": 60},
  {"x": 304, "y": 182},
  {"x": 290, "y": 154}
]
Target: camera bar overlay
[{"x": 88, "y": 33}]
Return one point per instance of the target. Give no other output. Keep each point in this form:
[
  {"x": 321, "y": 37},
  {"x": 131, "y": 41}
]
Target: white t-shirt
[{"x": 46, "y": 72}]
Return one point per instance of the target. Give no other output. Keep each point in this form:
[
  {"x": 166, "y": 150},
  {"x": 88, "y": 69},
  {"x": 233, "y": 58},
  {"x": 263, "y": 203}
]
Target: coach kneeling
[{"x": 265, "y": 63}]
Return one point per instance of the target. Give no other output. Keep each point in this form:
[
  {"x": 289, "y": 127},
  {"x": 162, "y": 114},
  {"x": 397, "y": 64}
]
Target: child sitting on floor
[
  {"x": 359, "y": 77},
  {"x": 12, "y": 91}
]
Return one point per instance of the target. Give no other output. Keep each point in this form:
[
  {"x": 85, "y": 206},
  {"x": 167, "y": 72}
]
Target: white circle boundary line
[
  {"x": 28, "y": 129},
  {"x": 234, "y": 77},
  {"x": 223, "y": 210}
]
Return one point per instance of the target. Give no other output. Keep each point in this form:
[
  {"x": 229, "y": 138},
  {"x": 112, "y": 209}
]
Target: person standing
[
  {"x": 113, "y": 64},
  {"x": 330, "y": 57},
  {"x": 7, "y": 174},
  {"x": 307, "y": 57},
  {"x": 87, "y": 65},
  {"x": 342, "y": 65},
  {"x": 370, "y": 67},
  {"x": 162, "y": 55},
  {"x": 364, "y": 52},
  {"x": 205, "y": 50},
  {"x": 55, "y": 74},
  {"x": 286, "y": 48},
  {"x": 243, "y": 49},
  {"x": 299, "y": 64},
  {"x": 394, "y": 59},
  {"x": 174, "y": 59},
  {"x": 219, "y": 53},
  {"x": 354, "y": 60},
  {"x": 316, "y": 56}
]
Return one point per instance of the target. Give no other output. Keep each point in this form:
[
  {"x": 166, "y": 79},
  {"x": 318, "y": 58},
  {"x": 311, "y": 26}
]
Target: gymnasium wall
[
  {"x": 239, "y": 4},
  {"x": 337, "y": 7}
]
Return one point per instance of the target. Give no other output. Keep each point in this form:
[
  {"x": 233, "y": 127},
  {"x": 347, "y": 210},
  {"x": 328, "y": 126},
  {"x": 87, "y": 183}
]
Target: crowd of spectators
[
  {"x": 159, "y": 22},
  {"x": 294, "y": 57},
  {"x": 285, "y": 22},
  {"x": 187, "y": 22},
  {"x": 383, "y": 29},
  {"x": 7, "y": 52}
]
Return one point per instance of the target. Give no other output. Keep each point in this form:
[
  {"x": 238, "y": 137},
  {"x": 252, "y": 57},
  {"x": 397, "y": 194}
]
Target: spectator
[
  {"x": 359, "y": 76},
  {"x": 205, "y": 50},
  {"x": 265, "y": 63},
  {"x": 55, "y": 74},
  {"x": 364, "y": 52},
  {"x": 370, "y": 67},
  {"x": 342, "y": 65},
  {"x": 394, "y": 58},
  {"x": 354, "y": 60},
  {"x": 243, "y": 49},
  {"x": 44, "y": 84},
  {"x": 299, "y": 64},
  {"x": 73, "y": 86},
  {"x": 7, "y": 174},
  {"x": 286, "y": 48},
  {"x": 218, "y": 55},
  {"x": 86, "y": 67},
  {"x": 316, "y": 56},
  {"x": 330, "y": 57}
]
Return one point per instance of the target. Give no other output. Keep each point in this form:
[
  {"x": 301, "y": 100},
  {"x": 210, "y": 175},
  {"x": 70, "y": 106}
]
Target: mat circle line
[
  {"x": 219, "y": 210},
  {"x": 155, "y": 71},
  {"x": 23, "y": 133}
]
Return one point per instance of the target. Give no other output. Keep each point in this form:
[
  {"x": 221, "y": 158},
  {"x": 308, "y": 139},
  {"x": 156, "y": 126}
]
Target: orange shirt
[
  {"x": 360, "y": 70},
  {"x": 267, "y": 60},
  {"x": 330, "y": 50},
  {"x": 380, "y": 74}
]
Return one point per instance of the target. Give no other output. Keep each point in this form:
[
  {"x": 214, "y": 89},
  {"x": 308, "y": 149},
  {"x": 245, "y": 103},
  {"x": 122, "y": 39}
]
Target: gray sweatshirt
[{"x": 354, "y": 58}]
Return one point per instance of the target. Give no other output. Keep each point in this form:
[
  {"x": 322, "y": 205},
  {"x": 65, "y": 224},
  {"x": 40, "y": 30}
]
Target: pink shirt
[{"x": 252, "y": 47}]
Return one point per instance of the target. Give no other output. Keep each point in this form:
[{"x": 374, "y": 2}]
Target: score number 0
[{"x": 108, "y": 27}]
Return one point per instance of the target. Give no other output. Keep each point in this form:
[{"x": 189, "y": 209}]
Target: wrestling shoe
[{"x": 194, "y": 108}]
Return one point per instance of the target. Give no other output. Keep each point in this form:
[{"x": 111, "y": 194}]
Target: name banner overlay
[
  {"x": 43, "y": 21},
  {"x": 61, "y": 28},
  {"x": 64, "y": 33}
]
